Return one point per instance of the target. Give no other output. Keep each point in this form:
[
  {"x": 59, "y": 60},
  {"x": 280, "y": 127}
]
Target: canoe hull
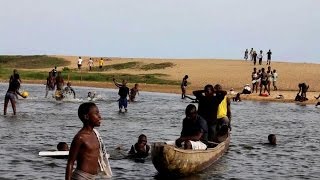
[{"x": 179, "y": 162}]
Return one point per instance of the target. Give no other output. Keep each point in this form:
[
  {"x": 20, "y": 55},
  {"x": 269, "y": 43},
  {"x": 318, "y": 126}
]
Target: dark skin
[
  {"x": 85, "y": 146},
  {"x": 192, "y": 117}
]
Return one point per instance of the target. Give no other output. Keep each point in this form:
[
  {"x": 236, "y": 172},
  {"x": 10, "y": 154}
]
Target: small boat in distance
[{"x": 168, "y": 159}]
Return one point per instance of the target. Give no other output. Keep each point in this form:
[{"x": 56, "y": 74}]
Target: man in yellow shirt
[
  {"x": 224, "y": 110},
  {"x": 100, "y": 63}
]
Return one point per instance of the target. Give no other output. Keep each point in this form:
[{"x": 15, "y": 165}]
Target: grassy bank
[{"x": 28, "y": 69}]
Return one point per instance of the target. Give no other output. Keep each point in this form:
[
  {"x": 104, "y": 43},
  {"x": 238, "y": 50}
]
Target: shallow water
[{"x": 42, "y": 122}]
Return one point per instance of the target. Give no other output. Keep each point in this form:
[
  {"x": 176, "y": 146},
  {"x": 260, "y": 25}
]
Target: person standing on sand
[
  {"x": 246, "y": 55},
  {"x": 254, "y": 78},
  {"x": 100, "y": 63},
  {"x": 87, "y": 147},
  {"x": 123, "y": 93},
  {"x": 264, "y": 81},
  {"x": 90, "y": 63},
  {"x": 79, "y": 63},
  {"x": 254, "y": 56},
  {"x": 260, "y": 57},
  {"x": 274, "y": 79},
  {"x": 269, "y": 53},
  {"x": 184, "y": 85},
  {"x": 251, "y": 54}
]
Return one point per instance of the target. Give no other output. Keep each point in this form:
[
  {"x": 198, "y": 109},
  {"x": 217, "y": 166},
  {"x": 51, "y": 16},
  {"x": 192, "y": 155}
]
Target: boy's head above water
[{"x": 89, "y": 114}]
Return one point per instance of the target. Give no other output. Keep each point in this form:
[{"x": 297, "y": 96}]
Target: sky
[{"x": 162, "y": 28}]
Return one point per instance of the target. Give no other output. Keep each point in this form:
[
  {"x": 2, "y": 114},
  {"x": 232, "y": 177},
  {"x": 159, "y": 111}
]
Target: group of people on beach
[
  {"x": 263, "y": 79},
  {"x": 90, "y": 63},
  {"x": 254, "y": 56}
]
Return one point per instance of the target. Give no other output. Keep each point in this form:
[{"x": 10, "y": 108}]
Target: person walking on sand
[
  {"x": 123, "y": 93},
  {"x": 100, "y": 63},
  {"x": 246, "y": 54},
  {"x": 251, "y": 54},
  {"x": 90, "y": 63},
  {"x": 254, "y": 56},
  {"x": 184, "y": 85},
  {"x": 87, "y": 147},
  {"x": 260, "y": 57},
  {"x": 269, "y": 53},
  {"x": 79, "y": 63}
]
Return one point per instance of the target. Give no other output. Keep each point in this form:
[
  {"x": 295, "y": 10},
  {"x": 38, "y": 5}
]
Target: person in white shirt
[
  {"x": 90, "y": 63},
  {"x": 274, "y": 80},
  {"x": 260, "y": 56},
  {"x": 79, "y": 63}
]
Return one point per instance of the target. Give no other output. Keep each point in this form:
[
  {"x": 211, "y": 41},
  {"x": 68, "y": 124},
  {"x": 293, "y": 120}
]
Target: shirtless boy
[{"x": 85, "y": 145}]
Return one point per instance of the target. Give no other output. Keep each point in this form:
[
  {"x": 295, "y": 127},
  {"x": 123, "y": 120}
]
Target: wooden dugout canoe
[{"x": 168, "y": 159}]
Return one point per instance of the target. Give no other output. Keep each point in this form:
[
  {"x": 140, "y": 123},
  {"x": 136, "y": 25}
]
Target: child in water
[
  {"x": 62, "y": 146},
  {"x": 272, "y": 139},
  {"x": 133, "y": 92},
  {"x": 87, "y": 147},
  {"x": 140, "y": 149}
]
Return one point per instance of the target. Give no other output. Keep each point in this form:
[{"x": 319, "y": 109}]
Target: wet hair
[
  {"x": 61, "y": 146},
  {"x": 270, "y": 138},
  {"x": 141, "y": 136},
  {"x": 189, "y": 108},
  {"x": 218, "y": 87},
  {"x": 208, "y": 86},
  {"x": 84, "y": 109}
]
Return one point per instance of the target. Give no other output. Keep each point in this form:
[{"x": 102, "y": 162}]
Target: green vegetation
[
  {"x": 8, "y": 63},
  {"x": 135, "y": 65},
  {"x": 128, "y": 65},
  {"x": 156, "y": 66},
  {"x": 31, "y": 62}
]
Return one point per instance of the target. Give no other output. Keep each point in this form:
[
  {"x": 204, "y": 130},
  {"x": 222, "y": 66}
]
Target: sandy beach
[{"x": 229, "y": 73}]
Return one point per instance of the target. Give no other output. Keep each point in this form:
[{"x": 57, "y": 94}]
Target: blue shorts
[{"x": 123, "y": 102}]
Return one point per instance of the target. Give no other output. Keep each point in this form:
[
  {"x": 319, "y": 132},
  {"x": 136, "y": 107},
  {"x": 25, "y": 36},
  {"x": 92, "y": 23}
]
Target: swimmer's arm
[{"x": 73, "y": 153}]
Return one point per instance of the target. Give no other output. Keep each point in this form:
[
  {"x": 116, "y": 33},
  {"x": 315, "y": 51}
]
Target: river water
[{"x": 41, "y": 123}]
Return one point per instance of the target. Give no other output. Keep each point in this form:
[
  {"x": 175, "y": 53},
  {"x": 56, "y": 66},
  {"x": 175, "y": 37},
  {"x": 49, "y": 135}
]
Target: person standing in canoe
[
  {"x": 123, "y": 93},
  {"x": 194, "y": 134},
  {"x": 87, "y": 147},
  {"x": 209, "y": 101}
]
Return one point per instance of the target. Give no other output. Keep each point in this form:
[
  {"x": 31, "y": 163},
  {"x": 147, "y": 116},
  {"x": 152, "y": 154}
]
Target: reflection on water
[{"x": 41, "y": 123}]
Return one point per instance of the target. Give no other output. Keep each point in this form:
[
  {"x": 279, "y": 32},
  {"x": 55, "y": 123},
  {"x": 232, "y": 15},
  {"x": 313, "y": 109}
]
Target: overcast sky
[{"x": 162, "y": 28}]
